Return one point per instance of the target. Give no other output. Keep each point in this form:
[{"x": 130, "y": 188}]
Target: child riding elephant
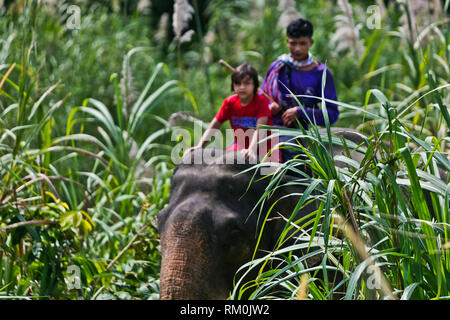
[{"x": 298, "y": 73}]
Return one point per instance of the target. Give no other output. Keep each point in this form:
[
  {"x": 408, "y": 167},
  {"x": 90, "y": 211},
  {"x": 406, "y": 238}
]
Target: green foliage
[
  {"x": 392, "y": 208},
  {"x": 80, "y": 186}
]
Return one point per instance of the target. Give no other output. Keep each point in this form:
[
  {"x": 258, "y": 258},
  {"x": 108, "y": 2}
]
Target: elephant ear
[{"x": 162, "y": 218}]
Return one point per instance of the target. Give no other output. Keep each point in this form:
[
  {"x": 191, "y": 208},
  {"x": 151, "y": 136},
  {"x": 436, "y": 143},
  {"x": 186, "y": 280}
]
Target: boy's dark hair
[
  {"x": 300, "y": 28},
  {"x": 243, "y": 71}
]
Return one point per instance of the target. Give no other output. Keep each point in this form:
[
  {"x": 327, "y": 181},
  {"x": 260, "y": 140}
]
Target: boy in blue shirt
[{"x": 299, "y": 72}]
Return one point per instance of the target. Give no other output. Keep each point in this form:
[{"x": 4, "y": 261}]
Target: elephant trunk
[{"x": 186, "y": 271}]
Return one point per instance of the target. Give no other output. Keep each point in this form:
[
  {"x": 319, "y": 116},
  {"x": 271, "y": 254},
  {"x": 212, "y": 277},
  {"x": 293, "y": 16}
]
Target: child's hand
[
  {"x": 274, "y": 108},
  {"x": 249, "y": 154},
  {"x": 289, "y": 116},
  {"x": 191, "y": 149}
]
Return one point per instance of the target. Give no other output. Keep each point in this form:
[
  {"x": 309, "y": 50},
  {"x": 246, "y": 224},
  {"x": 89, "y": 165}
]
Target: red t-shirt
[{"x": 243, "y": 118}]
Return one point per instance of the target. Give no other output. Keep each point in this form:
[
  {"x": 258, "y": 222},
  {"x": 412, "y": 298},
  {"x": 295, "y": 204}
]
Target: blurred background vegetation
[{"x": 85, "y": 104}]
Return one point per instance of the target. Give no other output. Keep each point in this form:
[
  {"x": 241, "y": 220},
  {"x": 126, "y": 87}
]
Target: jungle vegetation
[{"x": 87, "y": 91}]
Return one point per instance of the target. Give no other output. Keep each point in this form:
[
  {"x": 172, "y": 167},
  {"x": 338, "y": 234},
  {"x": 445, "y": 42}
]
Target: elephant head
[{"x": 207, "y": 230}]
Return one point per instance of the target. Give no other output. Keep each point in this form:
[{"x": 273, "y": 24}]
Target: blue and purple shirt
[{"x": 307, "y": 82}]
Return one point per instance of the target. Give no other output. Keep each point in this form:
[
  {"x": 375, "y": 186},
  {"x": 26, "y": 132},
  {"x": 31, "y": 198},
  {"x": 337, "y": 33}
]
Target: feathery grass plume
[
  {"x": 161, "y": 33},
  {"x": 179, "y": 117},
  {"x": 361, "y": 249},
  {"x": 414, "y": 7},
  {"x": 4, "y": 46},
  {"x": 289, "y": 13},
  {"x": 210, "y": 37},
  {"x": 182, "y": 14},
  {"x": 115, "y": 5},
  {"x": 49, "y": 2},
  {"x": 187, "y": 36},
  {"x": 286, "y": 4},
  {"x": 144, "y": 6},
  {"x": 128, "y": 92},
  {"x": 303, "y": 287},
  {"x": 49, "y": 5},
  {"x": 382, "y": 6},
  {"x": 258, "y": 3},
  {"x": 421, "y": 13},
  {"x": 437, "y": 9},
  {"x": 347, "y": 33}
]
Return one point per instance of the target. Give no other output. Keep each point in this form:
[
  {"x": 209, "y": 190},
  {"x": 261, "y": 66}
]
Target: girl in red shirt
[{"x": 245, "y": 110}]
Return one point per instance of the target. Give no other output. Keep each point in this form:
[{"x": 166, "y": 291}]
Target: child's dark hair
[
  {"x": 300, "y": 28},
  {"x": 243, "y": 71}
]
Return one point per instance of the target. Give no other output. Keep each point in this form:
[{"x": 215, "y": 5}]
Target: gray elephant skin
[{"x": 207, "y": 231}]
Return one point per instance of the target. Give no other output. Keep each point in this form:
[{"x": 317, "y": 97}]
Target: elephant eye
[{"x": 235, "y": 233}]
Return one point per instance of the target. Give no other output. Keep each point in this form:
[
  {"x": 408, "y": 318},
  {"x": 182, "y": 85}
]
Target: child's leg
[{"x": 234, "y": 147}]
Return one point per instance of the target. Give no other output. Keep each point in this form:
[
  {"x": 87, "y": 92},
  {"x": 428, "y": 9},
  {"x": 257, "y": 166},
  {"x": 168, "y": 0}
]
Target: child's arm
[
  {"x": 214, "y": 124},
  {"x": 253, "y": 147},
  {"x": 274, "y": 108}
]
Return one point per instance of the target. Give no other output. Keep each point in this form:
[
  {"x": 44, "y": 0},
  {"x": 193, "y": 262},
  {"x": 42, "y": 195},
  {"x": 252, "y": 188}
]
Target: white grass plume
[
  {"x": 286, "y": 4},
  {"x": 128, "y": 92},
  {"x": 161, "y": 33},
  {"x": 422, "y": 13},
  {"x": 347, "y": 33},
  {"x": 182, "y": 14},
  {"x": 289, "y": 13},
  {"x": 144, "y": 6}
]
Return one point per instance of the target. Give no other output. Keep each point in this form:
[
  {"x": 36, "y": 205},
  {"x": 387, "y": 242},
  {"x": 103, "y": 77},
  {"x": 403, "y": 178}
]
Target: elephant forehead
[
  {"x": 213, "y": 178},
  {"x": 204, "y": 211},
  {"x": 213, "y": 193}
]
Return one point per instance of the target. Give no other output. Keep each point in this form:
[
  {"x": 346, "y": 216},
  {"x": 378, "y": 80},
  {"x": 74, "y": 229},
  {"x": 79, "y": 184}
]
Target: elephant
[{"x": 208, "y": 230}]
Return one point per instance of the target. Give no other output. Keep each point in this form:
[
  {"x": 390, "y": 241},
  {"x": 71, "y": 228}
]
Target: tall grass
[
  {"x": 77, "y": 199},
  {"x": 393, "y": 207},
  {"x": 381, "y": 226},
  {"x": 55, "y": 215}
]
